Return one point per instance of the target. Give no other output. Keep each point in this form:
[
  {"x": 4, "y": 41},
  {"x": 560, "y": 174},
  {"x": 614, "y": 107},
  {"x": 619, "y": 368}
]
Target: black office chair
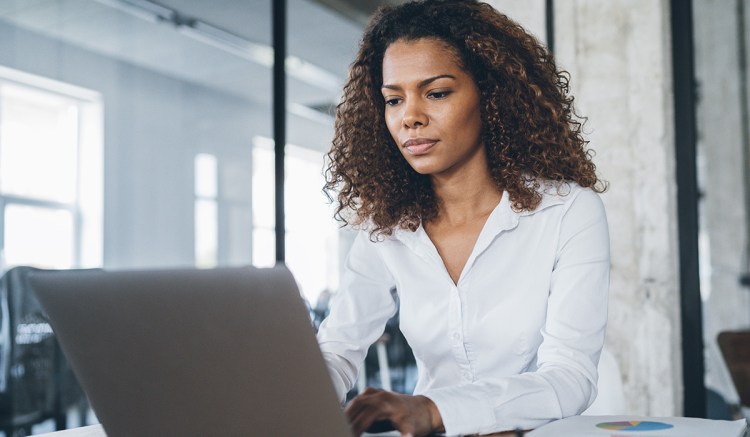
[
  {"x": 36, "y": 382},
  {"x": 735, "y": 348},
  {"x": 399, "y": 356}
]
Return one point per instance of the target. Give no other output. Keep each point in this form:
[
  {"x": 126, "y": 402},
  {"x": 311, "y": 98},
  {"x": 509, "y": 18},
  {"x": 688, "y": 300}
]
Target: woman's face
[{"x": 431, "y": 107}]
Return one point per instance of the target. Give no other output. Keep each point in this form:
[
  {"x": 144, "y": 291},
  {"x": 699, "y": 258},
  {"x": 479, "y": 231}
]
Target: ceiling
[{"x": 319, "y": 33}]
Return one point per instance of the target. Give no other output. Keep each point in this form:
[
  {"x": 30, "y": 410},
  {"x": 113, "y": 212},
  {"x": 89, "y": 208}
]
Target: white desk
[
  {"x": 562, "y": 427},
  {"x": 98, "y": 431},
  {"x": 85, "y": 431}
]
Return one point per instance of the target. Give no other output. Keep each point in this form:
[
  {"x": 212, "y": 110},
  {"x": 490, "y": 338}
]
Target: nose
[{"x": 414, "y": 116}]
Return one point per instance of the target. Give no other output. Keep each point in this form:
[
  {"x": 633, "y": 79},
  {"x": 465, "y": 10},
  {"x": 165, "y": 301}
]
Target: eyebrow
[{"x": 422, "y": 83}]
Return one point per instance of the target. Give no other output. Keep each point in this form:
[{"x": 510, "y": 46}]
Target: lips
[{"x": 419, "y": 146}]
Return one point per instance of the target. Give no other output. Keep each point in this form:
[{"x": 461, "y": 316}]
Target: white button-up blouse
[{"x": 516, "y": 342}]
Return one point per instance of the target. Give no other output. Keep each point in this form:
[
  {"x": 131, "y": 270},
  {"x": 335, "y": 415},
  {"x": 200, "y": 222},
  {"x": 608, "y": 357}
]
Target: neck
[{"x": 466, "y": 197}]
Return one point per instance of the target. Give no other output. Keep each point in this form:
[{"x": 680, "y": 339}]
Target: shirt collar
[{"x": 502, "y": 219}]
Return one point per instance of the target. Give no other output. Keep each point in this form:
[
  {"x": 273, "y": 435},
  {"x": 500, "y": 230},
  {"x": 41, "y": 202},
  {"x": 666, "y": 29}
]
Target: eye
[
  {"x": 439, "y": 94},
  {"x": 392, "y": 101}
]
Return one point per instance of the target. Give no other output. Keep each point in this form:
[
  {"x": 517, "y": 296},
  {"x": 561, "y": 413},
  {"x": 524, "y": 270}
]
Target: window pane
[
  {"x": 263, "y": 183},
  {"x": 39, "y": 237},
  {"x": 312, "y": 238},
  {"x": 205, "y": 175},
  {"x": 206, "y": 233},
  {"x": 312, "y": 235},
  {"x": 38, "y": 144},
  {"x": 264, "y": 244},
  {"x": 312, "y": 243}
]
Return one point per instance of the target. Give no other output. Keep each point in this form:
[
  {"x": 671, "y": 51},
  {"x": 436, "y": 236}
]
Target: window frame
[{"x": 89, "y": 166}]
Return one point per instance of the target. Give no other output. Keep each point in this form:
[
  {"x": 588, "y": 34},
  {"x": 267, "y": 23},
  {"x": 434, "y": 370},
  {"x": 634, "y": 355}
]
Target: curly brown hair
[{"x": 530, "y": 130}]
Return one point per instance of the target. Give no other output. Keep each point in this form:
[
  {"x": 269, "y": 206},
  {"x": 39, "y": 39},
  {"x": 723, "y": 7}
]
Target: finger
[
  {"x": 362, "y": 421},
  {"x": 403, "y": 423},
  {"x": 370, "y": 409},
  {"x": 384, "y": 416},
  {"x": 364, "y": 400},
  {"x": 369, "y": 391},
  {"x": 380, "y": 426},
  {"x": 357, "y": 405},
  {"x": 406, "y": 429},
  {"x": 406, "y": 418}
]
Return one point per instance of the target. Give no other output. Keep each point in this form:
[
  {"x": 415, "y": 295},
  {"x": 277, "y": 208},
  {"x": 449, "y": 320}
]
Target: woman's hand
[{"x": 413, "y": 416}]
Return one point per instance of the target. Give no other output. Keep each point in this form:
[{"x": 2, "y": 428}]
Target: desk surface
[
  {"x": 86, "y": 431},
  {"x": 97, "y": 431}
]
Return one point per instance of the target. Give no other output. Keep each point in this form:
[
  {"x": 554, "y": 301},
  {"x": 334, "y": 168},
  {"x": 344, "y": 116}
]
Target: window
[
  {"x": 264, "y": 237},
  {"x": 311, "y": 234},
  {"x": 50, "y": 173},
  {"x": 206, "y": 211}
]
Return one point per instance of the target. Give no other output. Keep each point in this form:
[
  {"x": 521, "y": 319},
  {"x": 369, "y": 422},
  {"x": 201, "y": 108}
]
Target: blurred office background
[{"x": 138, "y": 134}]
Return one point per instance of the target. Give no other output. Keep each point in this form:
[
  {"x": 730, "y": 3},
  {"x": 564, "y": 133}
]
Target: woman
[{"x": 458, "y": 155}]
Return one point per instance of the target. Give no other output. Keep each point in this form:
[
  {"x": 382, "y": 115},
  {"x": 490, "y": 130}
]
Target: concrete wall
[
  {"x": 619, "y": 56},
  {"x": 722, "y": 179}
]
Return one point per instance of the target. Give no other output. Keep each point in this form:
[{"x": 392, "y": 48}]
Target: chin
[
  {"x": 424, "y": 170},
  {"x": 422, "y": 167}
]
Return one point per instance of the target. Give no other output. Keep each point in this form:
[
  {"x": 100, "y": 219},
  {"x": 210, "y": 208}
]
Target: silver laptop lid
[{"x": 227, "y": 352}]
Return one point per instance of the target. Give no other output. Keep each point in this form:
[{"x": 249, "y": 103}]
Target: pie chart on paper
[{"x": 634, "y": 426}]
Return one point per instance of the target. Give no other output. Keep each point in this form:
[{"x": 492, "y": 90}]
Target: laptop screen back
[{"x": 193, "y": 352}]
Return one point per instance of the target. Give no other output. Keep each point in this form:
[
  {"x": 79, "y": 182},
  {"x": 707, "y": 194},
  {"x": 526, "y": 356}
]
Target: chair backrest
[
  {"x": 36, "y": 381},
  {"x": 27, "y": 351},
  {"x": 735, "y": 348}
]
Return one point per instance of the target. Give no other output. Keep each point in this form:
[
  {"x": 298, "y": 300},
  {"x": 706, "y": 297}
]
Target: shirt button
[
  {"x": 467, "y": 375},
  {"x": 456, "y": 336}
]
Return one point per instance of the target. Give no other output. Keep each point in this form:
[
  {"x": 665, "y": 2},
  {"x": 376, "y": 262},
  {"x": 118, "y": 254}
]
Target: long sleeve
[
  {"x": 358, "y": 313},
  {"x": 564, "y": 381}
]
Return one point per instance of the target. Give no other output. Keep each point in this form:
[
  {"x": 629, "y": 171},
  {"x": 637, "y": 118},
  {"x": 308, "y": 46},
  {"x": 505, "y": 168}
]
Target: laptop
[{"x": 222, "y": 352}]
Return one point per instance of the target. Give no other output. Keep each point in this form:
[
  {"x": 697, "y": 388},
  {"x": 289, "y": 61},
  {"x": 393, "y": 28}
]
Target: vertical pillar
[
  {"x": 549, "y": 24},
  {"x": 279, "y": 120},
  {"x": 618, "y": 54},
  {"x": 683, "y": 68}
]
